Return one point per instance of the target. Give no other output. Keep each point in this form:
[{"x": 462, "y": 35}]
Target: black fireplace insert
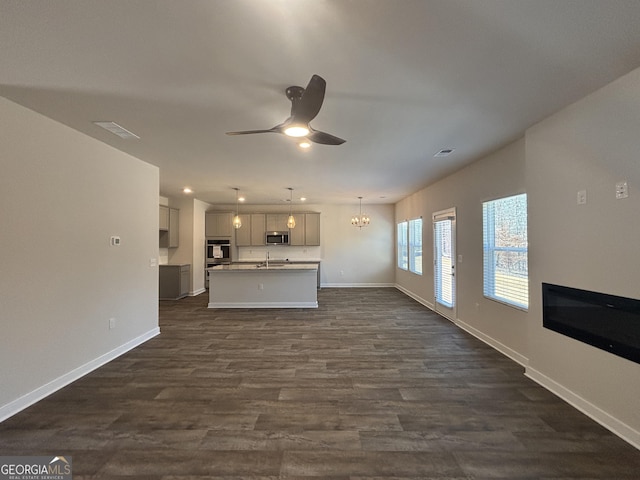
[{"x": 604, "y": 321}]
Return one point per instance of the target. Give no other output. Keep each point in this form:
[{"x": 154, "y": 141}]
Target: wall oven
[{"x": 218, "y": 251}]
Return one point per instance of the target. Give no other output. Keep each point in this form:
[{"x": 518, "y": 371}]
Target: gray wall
[
  {"x": 63, "y": 195},
  {"x": 590, "y": 146},
  {"x": 497, "y": 175}
]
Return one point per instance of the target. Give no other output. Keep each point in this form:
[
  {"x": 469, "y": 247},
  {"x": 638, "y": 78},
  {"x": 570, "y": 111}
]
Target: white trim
[
  {"x": 197, "y": 292},
  {"x": 356, "y": 285},
  {"x": 417, "y": 298},
  {"x": 53, "y": 386},
  {"x": 611, "y": 423},
  {"x": 492, "y": 342},
  {"x": 262, "y": 305}
]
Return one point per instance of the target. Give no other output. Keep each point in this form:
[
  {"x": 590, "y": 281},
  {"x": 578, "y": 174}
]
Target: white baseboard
[
  {"x": 417, "y": 298},
  {"x": 609, "y": 422},
  {"x": 356, "y": 285},
  {"x": 492, "y": 342},
  {"x": 39, "y": 393},
  {"x": 197, "y": 292}
]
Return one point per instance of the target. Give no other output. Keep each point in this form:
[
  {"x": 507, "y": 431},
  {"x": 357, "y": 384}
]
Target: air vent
[
  {"x": 445, "y": 152},
  {"x": 116, "y": 129}
]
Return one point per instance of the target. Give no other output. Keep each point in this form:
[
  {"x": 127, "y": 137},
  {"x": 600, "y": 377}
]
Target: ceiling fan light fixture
[
  {"x": 296, "y": 131},
  {"x": 305, "y": 144}
]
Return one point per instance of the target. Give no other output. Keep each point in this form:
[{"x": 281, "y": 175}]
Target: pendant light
[
  {"x": 237, "y": 223},
  {"x": 291, "y": 221},
  {"x": 360, "y": 220}
]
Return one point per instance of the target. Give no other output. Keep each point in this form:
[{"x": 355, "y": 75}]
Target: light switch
[
  {"x": 582, "y": 197},
  {"x": 115, "y": 241},
  {"x": 622, "y": 190}
]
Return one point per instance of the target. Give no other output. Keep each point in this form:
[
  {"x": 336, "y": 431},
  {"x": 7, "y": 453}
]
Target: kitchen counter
[
  {"x": 251, "y": 285},
  {"x": 257, "y": 267}
]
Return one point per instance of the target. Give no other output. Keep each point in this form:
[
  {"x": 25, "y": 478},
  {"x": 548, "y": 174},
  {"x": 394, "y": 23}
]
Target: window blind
[{"x": 505, "y": 247}]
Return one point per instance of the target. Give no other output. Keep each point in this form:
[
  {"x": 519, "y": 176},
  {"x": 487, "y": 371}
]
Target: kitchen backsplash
[{"x": 277, "y": 252}]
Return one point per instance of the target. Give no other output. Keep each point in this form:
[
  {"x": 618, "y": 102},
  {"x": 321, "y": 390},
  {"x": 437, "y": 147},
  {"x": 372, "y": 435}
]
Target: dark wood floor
[{"x": 370, "y": 385}]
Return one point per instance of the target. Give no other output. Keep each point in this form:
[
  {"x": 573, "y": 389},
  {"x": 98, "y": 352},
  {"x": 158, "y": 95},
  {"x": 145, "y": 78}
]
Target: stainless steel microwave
[{"x": 277, "y": 238}]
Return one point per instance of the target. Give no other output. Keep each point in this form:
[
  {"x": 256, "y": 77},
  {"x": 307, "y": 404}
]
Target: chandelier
[
  {"x": 361, "y": 220},
  {"x": 237, "y": 223}
]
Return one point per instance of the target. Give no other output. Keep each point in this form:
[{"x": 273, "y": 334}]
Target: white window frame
[
  {"x": 402, "y": 245},
  {"x": 507, "y": 283},
  {"x": 415, "y": 246}
]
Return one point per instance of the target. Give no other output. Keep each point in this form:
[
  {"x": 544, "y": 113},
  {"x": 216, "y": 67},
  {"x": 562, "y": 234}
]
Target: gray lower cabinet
[{"x": 175, "y": 281}]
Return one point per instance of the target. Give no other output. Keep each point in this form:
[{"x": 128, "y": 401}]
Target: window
[
  {"x": 415, "y": 246},
  {"x": 402, "y": 246},
  {"x": 506, "y": 271}
]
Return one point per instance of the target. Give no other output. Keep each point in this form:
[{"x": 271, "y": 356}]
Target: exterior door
[{"x": 444, "y": 262}]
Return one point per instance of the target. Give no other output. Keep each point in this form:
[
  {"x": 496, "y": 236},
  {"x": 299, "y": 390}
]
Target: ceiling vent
[
  {"x": 116, "y": 129},
  {"x": 445, "y": 152}
]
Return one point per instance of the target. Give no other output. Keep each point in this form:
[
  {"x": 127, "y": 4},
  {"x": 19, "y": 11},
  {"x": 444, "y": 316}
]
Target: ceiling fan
[{"x": 305, "y": 105}]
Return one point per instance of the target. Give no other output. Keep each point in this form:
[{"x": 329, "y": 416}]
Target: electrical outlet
[
  {"x": 261, "y": 286},
  {"x": 112, "y": 323}
]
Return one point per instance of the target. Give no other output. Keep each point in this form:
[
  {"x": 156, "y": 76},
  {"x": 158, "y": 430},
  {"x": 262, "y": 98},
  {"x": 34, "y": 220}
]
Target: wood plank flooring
[{"x": 371, "y": 385}]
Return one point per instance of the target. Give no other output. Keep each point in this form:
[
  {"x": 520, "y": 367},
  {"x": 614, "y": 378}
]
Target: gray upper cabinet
[
  {"x": 169, "y": 227},
  {"x": 218, "y": 224},
  {"x": 297, "y": 234},
  {"x": 277, "y": 222},
  {"x": 258, "y": 229},
  {"x": 251, "y": 233},
  {"x": 164, "y": 217},
  {"x": 312, "y": 229},
  {"x": 306, "y": 231},
  {"x": 243, "y": 234}
]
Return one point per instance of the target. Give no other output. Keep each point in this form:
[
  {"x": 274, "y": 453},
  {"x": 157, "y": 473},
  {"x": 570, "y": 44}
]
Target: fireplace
[{"x": 604, "y": 321}]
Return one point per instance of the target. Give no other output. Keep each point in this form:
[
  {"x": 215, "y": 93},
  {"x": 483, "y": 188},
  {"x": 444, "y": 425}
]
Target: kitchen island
[{"x": 278, "y": 285}]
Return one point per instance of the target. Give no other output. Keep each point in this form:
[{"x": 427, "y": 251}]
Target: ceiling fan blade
[
  {"x": 249, "y": 132},
  {"x": 306, "y": 108},
  {"x": 324, "y": 138}
]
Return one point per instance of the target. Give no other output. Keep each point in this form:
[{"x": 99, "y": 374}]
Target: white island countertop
[{"x": 261, "y": 267}]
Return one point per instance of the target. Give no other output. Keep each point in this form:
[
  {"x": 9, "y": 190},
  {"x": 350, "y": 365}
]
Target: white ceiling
[{"x": 404, "y": 80}]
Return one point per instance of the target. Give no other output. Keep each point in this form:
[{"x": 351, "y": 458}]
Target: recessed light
[
  {"x": 241, "y": 199},
  {"x": 304, "y": 144},
  {"x": 187, "y": 190},
  {"x": 116, "y": 129},
  {"x": 303, "y": 199},
  {"x": 445, "y": 152}
]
